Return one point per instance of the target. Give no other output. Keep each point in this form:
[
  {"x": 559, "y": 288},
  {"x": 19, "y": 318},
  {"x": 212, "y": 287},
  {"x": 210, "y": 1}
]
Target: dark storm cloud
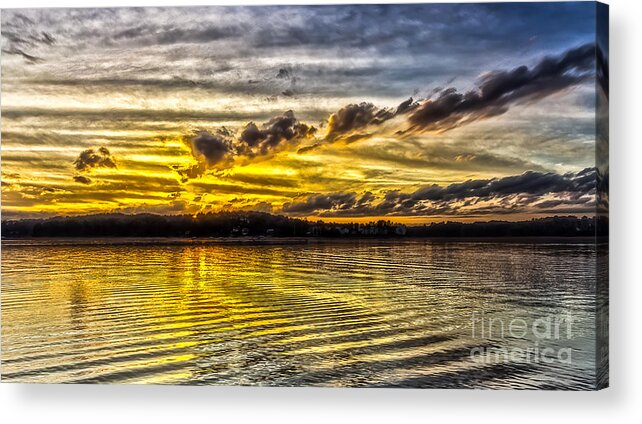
[
  {"x": 347, "y": 204},
  {"x": 190, "y": 172},
  {"x": 332, "y": 201},
  {"x": 271, "y": 135},
  {"x": 355, "y": 116},
  {"x": 220, "y": 150},
  {"x": 405, "y": 106},
  {"x": 516, "y": 193},
  {"x": 90, "y": 158},
  {"x": 211, "y": 148},
  {"x": 82, "y": 179},
  {"x": 499, "y": 90},
  {"x": 349, "y": 123},
  {"x": 530, "y": 183},
  {"x": 358, "y": 116}
]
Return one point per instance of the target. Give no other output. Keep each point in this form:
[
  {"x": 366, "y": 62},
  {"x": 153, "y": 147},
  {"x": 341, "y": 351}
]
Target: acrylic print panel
[{"x": 341, "y": 196}]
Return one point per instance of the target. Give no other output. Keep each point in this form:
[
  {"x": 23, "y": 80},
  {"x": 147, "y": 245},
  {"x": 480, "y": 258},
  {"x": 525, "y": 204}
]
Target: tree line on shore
[{"x": 257, "y": 224}]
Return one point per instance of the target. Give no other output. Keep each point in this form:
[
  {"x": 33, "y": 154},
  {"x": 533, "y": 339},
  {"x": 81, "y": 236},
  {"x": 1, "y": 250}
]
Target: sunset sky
[{"x": 414, "y": 113}]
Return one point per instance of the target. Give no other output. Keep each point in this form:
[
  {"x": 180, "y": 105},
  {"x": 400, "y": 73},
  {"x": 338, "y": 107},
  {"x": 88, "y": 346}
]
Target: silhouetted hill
[{"x": 234, "y": 224}]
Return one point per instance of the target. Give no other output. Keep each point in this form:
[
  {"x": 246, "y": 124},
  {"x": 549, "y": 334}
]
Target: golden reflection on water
[{"x": 334, "y": 314}]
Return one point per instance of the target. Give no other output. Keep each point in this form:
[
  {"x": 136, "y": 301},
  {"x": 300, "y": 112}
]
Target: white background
[{"x": 620, "y": 403}]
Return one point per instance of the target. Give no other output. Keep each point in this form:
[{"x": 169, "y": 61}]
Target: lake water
[{"x": 374, "y": 313}]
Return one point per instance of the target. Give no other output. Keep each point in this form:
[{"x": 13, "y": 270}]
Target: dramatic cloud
[
  {"x": 91, "y": 158},
  {"x": 358, "y": 116},
  {"x": 257, "y": 141},
  {"x": 82, "y": 179},
  {"x": 518, "y": 193},
  {"x": 498, "y": 90},
  {"x": 530, "y": 182},
  {"x": 212, "y": 149},
  {"x": 221, "y": 150},
  {"x": 325, "y": 202}
]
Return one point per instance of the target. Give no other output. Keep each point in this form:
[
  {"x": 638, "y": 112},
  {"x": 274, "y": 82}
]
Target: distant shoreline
[
  {"x": 255, "y": 227},
  {"x": 257, "y": 241}
]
